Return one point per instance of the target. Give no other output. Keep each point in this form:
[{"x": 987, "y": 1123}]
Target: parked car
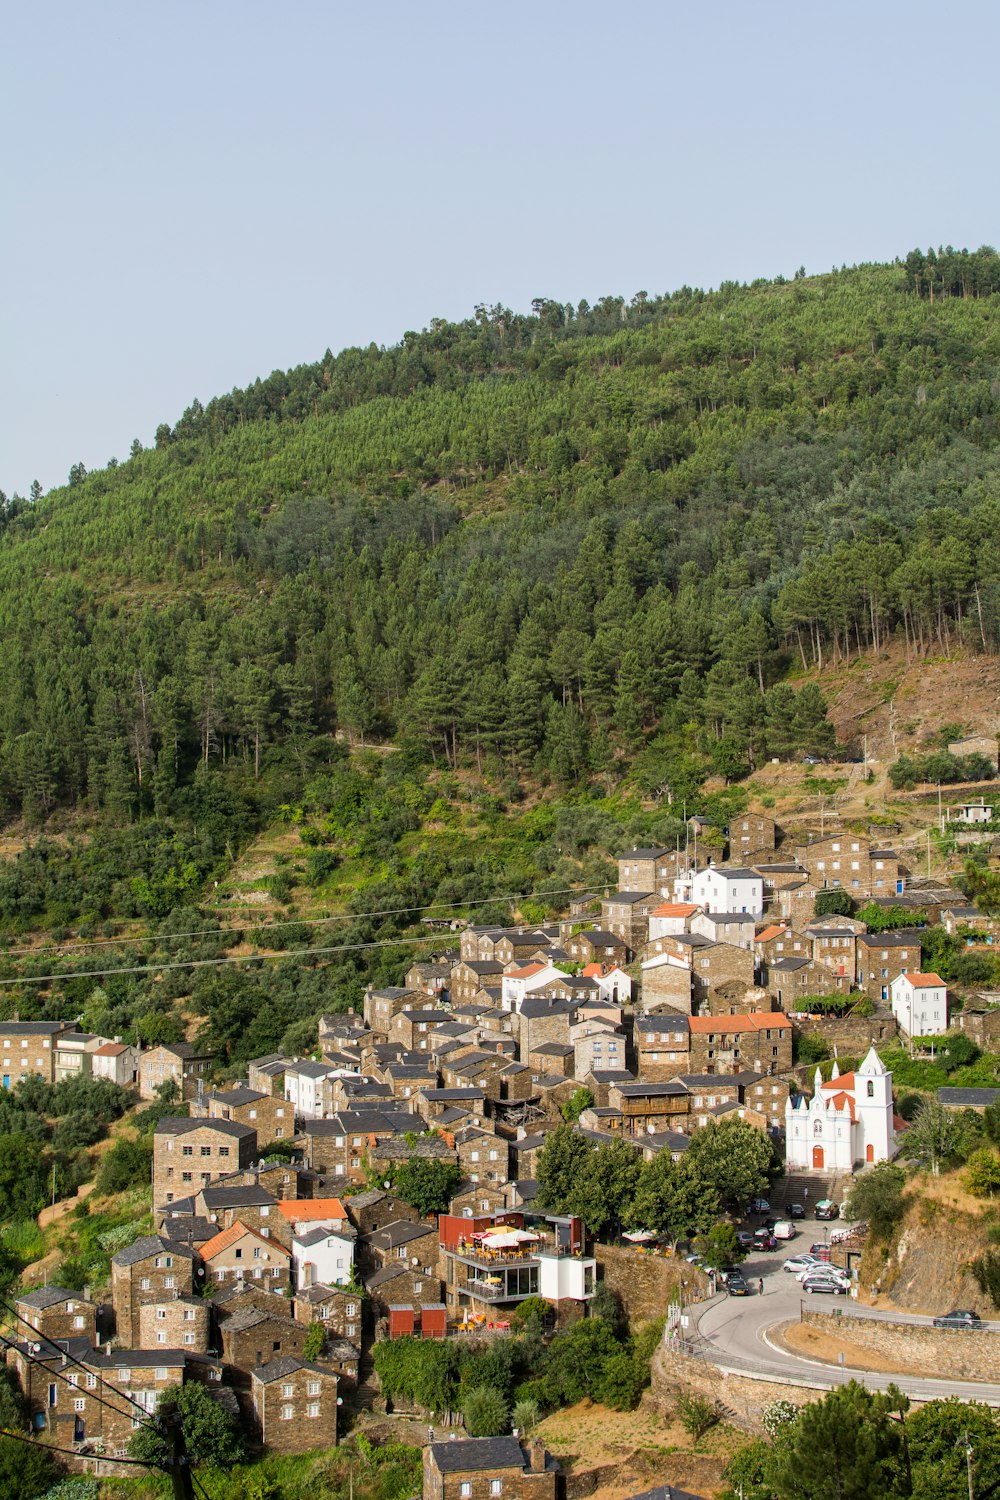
[
  {"x": 759, "y": 1206},
  {"x": 795, "y": 1211},
  {"x": 827, "y": 1209},
  {"x": 821, "y": 1251},
  {"x": 744, "y": 1238},
  {"x": 783, "y": 1230},
  {"x": 801, "y": 1262},
  {"x": 764, "y": 1240},
  {"x": 736, "y": 1286},
  {"x": 959, "y": 1319},
  {"x": 832, "y": 1284},
  {"x": 830, "y": 1273}
]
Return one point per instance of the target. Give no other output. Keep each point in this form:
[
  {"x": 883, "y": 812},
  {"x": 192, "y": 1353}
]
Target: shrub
[
  {"x": 485, "y": 1412},
  {"x": 696, "y": 1415}
]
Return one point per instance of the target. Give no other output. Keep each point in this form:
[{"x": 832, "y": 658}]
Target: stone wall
[
  {"x": 743, "y": 1398},
  {"x": 645, "y": 1283},
  {"x": 949, "y": 1353},
  {"x": 853, "y": 1033}
]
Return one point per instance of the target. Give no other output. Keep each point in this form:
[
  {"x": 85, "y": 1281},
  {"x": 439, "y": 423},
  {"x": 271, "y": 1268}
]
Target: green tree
[
  {"x": 936, "y": 1136},
  {"x": 833, "y": 903},
  {"x": 982, "y": 1173},
  {"x": 876, "y": 1197},
  {"x": 315, "y": 1342},
  {"x": 563, "y": 1163},
  {"x": 26, "y": 1469},
  {"x": 672, "y": 1199},
  {"x": 427, "y": 1183},
  {"x": 937, "y": 1437},
  {"x": 485, "y": 1412},
  {"x": 845, "y": 1447},
  {"x": 211, "y": 1434},
  {"x": 575, "y": 1105},
  {"x": 733, "y": 1158}
]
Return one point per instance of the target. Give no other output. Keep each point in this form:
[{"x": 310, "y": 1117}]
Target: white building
[
  {"x": 615, "y": 986},
  {"x": 524, "y": 981},
  {"x": 671, "y": 917},
  {"x": 723, "y": 888},
  {"x": 847, "y": 1120},
  {"x": 117, "y": 1061},
  {"x": 974, "y": 812},
  {"x": 320, "y": 1254},
  {"x": 304, "y": 1087},
  {"x": 920, "y": 1004}
]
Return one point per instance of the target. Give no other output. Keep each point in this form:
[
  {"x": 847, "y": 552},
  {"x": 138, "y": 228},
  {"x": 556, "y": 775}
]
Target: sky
[{"x": 195, "y": 194}]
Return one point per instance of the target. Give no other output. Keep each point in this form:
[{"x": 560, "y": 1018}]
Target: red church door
[
  {"x": 818, "y": 1157},
  {"x": 869, "y": 1152}
]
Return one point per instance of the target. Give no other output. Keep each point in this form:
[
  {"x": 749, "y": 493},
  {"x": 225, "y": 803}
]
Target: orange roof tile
[
  {"x": 110, "y": 1049},
  {"x": 772, "y": 1020},
  {"x": 844, "y": 1081},
  {"x": 771, "y": 932},
  {"x": 592, "y": 971},
  {"x": 675, "y": 909},
  {"x": 526, "y": 972},
  {"x": 844, "y": 1099},
  {"x": 924, "y": 981},
  {"x": 231, "y": 1236},
  {"x": 298, "y": 1210}
]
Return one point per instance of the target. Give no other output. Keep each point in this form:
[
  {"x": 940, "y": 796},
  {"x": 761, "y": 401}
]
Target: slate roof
[
  {"x": 238, "y": 1096},
  {"x": 147, "y": 1245},
  {"x": 174, "y": 1125},
  {"x": 466, "y": 1454},
  {"x": 968, "y": 1098},
  {"x": 236, "y": 1197},
  {"x": 47, "y": 1296},
  {"x": 401, "y": 1232}
]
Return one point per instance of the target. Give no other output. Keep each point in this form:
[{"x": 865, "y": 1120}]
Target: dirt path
[
  {"x": 56, "y": 1211},
  {"x": 800, "y": 1338}
]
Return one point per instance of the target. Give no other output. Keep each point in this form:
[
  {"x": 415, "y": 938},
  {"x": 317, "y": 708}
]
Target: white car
[
  {"x": 802, "y": 1262},
  {"x": 825, "y": 1271}
]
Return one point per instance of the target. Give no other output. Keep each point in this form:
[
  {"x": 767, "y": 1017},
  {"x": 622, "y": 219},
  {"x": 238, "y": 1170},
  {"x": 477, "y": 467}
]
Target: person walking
[{"x": 760, "y": 1286}]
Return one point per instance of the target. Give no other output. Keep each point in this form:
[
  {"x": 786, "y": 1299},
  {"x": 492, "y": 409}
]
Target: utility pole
[
  {"x": 964, "y": 1442},
  {"x": 180, "y": 1465}
]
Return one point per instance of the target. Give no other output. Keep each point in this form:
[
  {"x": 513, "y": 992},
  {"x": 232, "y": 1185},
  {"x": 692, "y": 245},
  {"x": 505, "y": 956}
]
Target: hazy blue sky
[{"x": 198, "y": 193}]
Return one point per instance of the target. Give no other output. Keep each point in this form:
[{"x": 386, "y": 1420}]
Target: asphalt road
[{"x": 735, "y": 1328}]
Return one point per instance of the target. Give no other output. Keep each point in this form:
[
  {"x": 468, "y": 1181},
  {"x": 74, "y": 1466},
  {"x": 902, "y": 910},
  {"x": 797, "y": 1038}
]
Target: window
[
  {"x": 91, "y": 1382},
  {"x": 162, "y": 1373},
  {"x": 288, "y": 1390},
  {"x": 161, "y": 1338},
  {"x": 312, "y": 1389},
  {"x": 206, "y": 1150},
  {"x": 80, "y": 1403},
  {"x": 144, "y": 1284},
  {"x": 287, "y": 1412},
  {"x": 223, "y": 1150},
  {"x": 124, "y": 1376},
  {"x": 465, "y": 1489},
  {"x": 870, "y": 1089},
  {"x": 169, "y": 1282},
  {"x": 496, "y": 1486},
  {"x": 312, "y": 1410},
  {"x": 187, "y": 1150},
  {"x": 161, "y": 1313}
]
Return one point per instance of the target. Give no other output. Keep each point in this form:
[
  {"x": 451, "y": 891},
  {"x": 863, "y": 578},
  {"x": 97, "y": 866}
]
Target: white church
[{"x": 847, "y": 1120}]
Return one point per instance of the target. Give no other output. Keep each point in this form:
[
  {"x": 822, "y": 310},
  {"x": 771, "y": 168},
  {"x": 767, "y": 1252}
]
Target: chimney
[{"x": 537, "y": 1456}]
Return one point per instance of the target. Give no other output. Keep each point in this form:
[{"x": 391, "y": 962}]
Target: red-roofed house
[
  {"x": 312, "y": 1211},
  {"x": 761, "y": 1041},
  {"x": 241, "y": 1254},
  {"x": 116, "y": 1061},
  {"x": 671, "y": 917},
  {"x": 920, "y": 1003}
]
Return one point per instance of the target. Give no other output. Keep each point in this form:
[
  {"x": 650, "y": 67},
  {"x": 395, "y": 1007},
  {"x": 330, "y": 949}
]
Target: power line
[
  {"x": 60, "y": 1375},
  {"x": 19, "y": 1437},
  {"x": 358, "y": 916}
]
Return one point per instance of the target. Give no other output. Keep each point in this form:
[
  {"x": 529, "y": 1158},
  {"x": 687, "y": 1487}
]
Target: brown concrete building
[
  {"x": 789, "y": 979},
  {"x": 836, "y": 949},
  {"x": 375, "y": 1209},
  {"x": 174, "y": 1062},
  {"x": 192, "y": 1154},
  {"x": 294, "y": 1405},
  {"x": 241, "y": 1254},
  {"x": 471, "y": 975},
  {"x": 183, "y": 1323},
  {"x": 381, "y": 1005},
  {"x": 55, "y": 1313},
  {"x": 595, "y": 946},
  {"x": 396, "y": 1284},
  {"x": 497, "y": 1468},
  {"x": 29, "y": 1047},
  {"x": 151, "y": 1269},
  {"x": 735, "y": 1044}
]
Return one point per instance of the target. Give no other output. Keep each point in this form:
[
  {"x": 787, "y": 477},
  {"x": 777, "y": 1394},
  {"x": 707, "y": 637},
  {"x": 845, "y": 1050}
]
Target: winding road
[{"x": 734, "y": 1333}]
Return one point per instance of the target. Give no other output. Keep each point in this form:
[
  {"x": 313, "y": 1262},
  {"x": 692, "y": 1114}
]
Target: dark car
[
  {"x": 736, "y": 1286},
  {"x": 826, "y": 1209},
  {"x": 764, "y": 1240},
  {"x": 769, "y": 1223},
  {"x": 820, "y": 1283},
  {"x": 959, "y": 1319},
  {"x": 795, "y": 1211}
]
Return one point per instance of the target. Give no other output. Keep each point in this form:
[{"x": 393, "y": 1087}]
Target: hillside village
[{"x": 681, "y": 998}]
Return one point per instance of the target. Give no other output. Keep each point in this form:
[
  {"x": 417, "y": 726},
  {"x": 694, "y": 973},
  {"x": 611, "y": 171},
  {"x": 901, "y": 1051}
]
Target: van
[{"x": 783, "y": 1230}]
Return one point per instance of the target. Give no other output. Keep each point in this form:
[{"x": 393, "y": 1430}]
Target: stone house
[
  {"x": 28, "y": 1047},
  {"x": 552, "y": 1057},
  {"x": 474, "y": 1198},
  {"x": 594, "y": 945},
  {"x": 429, "y": 979},
  {"x": 735, "y": 999},
  {"x": 666, "y": 982},
  {"x": 647, "y": 1107},
  {"x": 979, "y": 1018},
  {"x": 709, "y": 963},
  {"x": 271, "y": 1117},
  {"x": 252, "y": 1338},
  {"x": 478, "y": 942},
  {"x": 796, "y": 902},
  {"x": 338, "y": 1308},
  {"x": 74, "y": 1405},
  {"x": 191, "y": 1154},
  {"x": 768, "y": 1096},
  {"x": 976, "y": 744},
  {"x": 521, "y": 947},
  {"x": 471, "y": 975},
  {"x": 482, "y": 1155},
  {"x": 498, "y": 1468},
  {"x": 406, "y": 1243},
  {"x": 55, "y": 1313},
  {"x": 241, "y": 1254},
  {"x": 439, "y": 1106},
  {"x": 412, "y": 1027},
  {"x": 777, "y": 941},
  {"x": 647, "y": 870},
  {"x": 174, "y": 1062},
  {"x": 751, "y": 837},
  {"x": 882, "y": 957},
  {"x": 847, "y": 861},
  {"x": 396, "y": 1284},
  {"x": 734, "y": 927},
  {"x": 294, "y": 1405},
  {"x": 266, "y": 1075},
  {"x": 183, "y": 1323},
  {"x": 338, "y": 1147},
  {"x": 663, "y": 1045},
  {"x": 253, "y": 1206},
  {"x": 382, "y": 1004},
  {"x": 597, "y": 1046},
  {"x": 836, "y": 948},
  {"x": 734, "y": 1044},
  {"x": 375, "y": 1209},
  {"x": 626, "y": 915},
  {"x": 151, "y": 1269},
  {"x": 544, "y": 1020},
  {"x": 788, "y": 979}
]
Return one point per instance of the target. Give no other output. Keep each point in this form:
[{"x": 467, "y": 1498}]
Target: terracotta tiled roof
[
  {"x": 771, "y": 932},
  {"x": 675, "y": 909},
  {"x": 924, "y": 981},
  {"x": 770, "y": 1020},
  {"x": 298, "y": 1210},
  {"x": 232, "y": 1235}
]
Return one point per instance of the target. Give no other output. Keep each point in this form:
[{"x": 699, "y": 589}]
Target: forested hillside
[{"x": 548, "y": 552}]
